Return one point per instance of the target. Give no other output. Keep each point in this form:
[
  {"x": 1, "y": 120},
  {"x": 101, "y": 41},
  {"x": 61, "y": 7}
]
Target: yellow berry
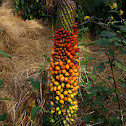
[{"x": 57, "y": 98}]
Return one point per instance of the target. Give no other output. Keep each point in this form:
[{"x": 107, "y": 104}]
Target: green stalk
[{"x": 117, "y": 96}]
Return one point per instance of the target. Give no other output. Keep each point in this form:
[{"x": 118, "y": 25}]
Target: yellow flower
[
  {"x": 111, "y": 7},
  {"x": 86, "y": 17},
  {"x": 121, "y": 12},
  {"x": 112, "y": 17},
  {"x": 112, "y": 23},
  {"x": 108, "y": 22},
  {"x": 122, "y": 20},
  {"x": 118, "y": 31},
  {"x": 114, "y": 5}
]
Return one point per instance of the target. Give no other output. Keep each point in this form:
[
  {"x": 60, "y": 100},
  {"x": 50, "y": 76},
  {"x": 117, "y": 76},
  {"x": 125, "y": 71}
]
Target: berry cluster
[{"x": 64, "y": 69}]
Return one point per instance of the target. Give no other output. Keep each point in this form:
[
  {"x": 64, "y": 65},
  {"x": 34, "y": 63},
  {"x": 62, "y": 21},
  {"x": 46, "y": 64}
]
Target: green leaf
[
  {"x": 109, "y": 77},
  {"x": 108, "y": 34},
  {"x": 122, "y": 51},
  {"x": 40, "y": 71},
  {"x": 3, "y": 117},
  {"x": 120, "y": 66},
  {"x": 34, "y": 111},
  {"x": 35, "y": 85},
  {"x": 81, "y": 83},
  {"x": 5, "y": 54},
  {"x": 122, "y": 28},
  {"x": 45, "y": 56},
  {"x": 99, "y": 53},
  {"x": 90, "y": 58},
  {"x": 41, "y": 66},
  {"x": 1, "y": 82},
  {"x": 101, "y": 67},
  {"x": 104, "y": 42},
  {"x": 5, "y": 99},
  {"x": 48, "y": 59}
]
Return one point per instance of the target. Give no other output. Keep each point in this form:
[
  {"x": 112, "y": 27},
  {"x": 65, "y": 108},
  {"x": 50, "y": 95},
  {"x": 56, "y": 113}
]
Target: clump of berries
[{"x": 64, "y": 69}]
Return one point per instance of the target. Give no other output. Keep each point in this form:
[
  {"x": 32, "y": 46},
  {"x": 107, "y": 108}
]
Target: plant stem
[{"x": 111, "y": 65}]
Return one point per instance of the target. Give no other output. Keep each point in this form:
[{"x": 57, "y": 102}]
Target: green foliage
[
  {"x": 30, "y": 8},
  {"x": 34, "y": 111},
  {"x": 1, "y": 2},
  {"x": 35, "y": 84},
  {"x": 112, "y": 39},
  {"x": 3, "y": 117},
  {"x": 5, "y": 54},
  {"x": 1, "y": 83}
]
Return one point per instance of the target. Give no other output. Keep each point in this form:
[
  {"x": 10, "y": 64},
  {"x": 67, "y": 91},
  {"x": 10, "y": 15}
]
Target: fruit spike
[{"x": 64, "y": 69}]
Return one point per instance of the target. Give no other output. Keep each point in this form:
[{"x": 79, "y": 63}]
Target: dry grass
[{"x": 25, "y": 41}]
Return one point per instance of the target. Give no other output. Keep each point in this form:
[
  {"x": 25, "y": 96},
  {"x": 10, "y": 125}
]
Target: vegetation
[
  {"x": 30, "y": 9},
  {"x": 91, "y": 99}
]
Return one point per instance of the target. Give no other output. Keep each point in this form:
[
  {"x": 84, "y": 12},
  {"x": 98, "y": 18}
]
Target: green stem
[{"x": 111, "y": 65}]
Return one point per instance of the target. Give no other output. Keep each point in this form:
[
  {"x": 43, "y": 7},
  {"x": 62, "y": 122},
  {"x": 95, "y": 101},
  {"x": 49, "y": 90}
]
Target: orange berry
[
  {"x": 61, "y": 102},
  {"x": 58, "y": 92},
  {"x": 70, "y": 71},
  {"x": 70, "y": 77},
  {"x": 51, "y": 69},
  {"x": 62, "y": 85},
  {"x": 67, "y": 85},
  {"x": 56, "y": 72},
  {"x": 51, "y": 89},
  {"x": 59, "y": 87},
  {"x": 71, "y": 81},
  {"x": 53, "y": 72},
  {"x": 63, "y": 71},
  {"x": 73, "y": 74},
  {"x": 69, "y": 99},
  {"x": 77, "y": 74},
  {"x": 69, "y": 91},
  {"x": 54, "y": 88},
  {"x": 59, "y": 71},
  {"x": 71, "y": 64},
  {"x": 66, "y": 79},
  {"x": 73, "y": 67},
  {"x": 72, "y": 95},
  {"x": 75, "y": 47},
  {"x": 57, "y": 77},
  {"x": 61, "y": 63},
  {"x": 62, "y": 78},
  {"x": 56, "y": 63},
  {"x": 53, "y": 79},
  {"x": 67, "y": 66},
  {"x": 66, "y": 74},
  {"x": 51, "y": 103},
  {"x": 75, "y": 78},
  {"x": 63, "y": 67},
  {"x": 65, "y": 98},
  {"x": 61, "y": 96},
  {"x": 75, "y": 70},
  {"x": 71, "y": 86},
  {"x": 68, "y": 61},
  {"x": 65, "y": 92},
  {"x": 51, "y": 85},
  {"x": 71, "y": 57},
  {"x": 57, "y": 98},
  {"x": 57, "y": 68},
  {"x": 75, "y": 84},
  {"x": 56, "y": 83}
]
